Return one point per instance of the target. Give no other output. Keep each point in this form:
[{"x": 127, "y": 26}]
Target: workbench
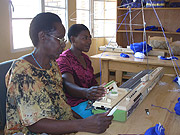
[
  {"x": 113, "y": 62},
  {"x": 162, "y": 95}
]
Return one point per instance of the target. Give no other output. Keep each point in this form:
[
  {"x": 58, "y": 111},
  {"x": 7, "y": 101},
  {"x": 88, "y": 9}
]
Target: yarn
[
  {"x": 140, "y": 47},
  {"x": 177, "y": 107},
  {"x": 156, "y": 130},
  {"x": 139, "y": 55},
  {"x": 124, "y": 55},
  {"x": 163, "y": 108},
  {"x": 150, "y": 28},
  {"x": 178, "y": 30},
  {"x": 167, "y": 58},
  {"x": 177, "y": 80}
]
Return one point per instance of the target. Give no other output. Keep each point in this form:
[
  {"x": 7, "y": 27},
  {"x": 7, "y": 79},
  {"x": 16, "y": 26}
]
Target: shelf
[
  {"x": 168, "y": 16},
  {"x": 158, "y": 32},
  {"x": 149, "y": 8}
]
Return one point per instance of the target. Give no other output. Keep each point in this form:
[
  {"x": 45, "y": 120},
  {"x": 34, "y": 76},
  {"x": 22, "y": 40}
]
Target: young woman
[{"x": 77, "y": 71}]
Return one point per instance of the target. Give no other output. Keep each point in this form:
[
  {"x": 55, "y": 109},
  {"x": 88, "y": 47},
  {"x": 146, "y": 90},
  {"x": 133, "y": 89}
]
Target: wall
[
  {"x": 96, "y": 42},
  {"x": 5, "y": 47}
]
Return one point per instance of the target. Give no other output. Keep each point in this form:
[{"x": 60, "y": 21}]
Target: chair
[{"x": 4, "y": 67}]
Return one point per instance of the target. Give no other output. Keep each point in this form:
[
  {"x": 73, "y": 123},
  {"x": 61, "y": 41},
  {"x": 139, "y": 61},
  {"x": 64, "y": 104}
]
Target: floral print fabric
[{"x": 34, "y": 94}]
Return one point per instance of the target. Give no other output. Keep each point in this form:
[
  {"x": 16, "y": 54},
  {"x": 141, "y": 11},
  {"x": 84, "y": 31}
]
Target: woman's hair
[
  {"x": 42, "y": 22},
  {"x": 75, "y": 29}
]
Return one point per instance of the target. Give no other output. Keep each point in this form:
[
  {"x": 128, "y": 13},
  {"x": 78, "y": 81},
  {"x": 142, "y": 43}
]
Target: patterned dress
[
  {"x": 34, "y": 94},
  {"x": 83, "y": 77}
]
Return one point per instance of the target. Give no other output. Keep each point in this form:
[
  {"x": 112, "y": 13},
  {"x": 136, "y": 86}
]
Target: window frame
[
  {"x": 89, "y": 10},
  {"x": 93, "y": 20},
  {"x": 13, "y": 50}
]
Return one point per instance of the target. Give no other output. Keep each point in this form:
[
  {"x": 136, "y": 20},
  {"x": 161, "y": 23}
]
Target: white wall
[{"x": 5, "y": 47}]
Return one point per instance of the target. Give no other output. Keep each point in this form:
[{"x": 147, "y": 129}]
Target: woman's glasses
[{"x": 61, "y": 40}]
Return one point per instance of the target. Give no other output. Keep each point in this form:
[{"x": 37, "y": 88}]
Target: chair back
[{"x": 4, "y": 67}]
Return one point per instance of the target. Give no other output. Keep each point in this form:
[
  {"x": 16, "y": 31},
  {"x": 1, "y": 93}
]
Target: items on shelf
[
  {"x": 175, "y": 4},
  {"x": 155, "y": 3},
  {"x": 130, "y": 3},
  {"x": 167, "y": 3},
  {"x": 151, "y": 28},
  {"x": 178, "y": 30},
  {"x": 131, "y": 28}
]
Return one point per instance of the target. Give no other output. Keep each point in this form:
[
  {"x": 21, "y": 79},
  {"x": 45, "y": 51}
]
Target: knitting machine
[{"x": 129, "y": 95}]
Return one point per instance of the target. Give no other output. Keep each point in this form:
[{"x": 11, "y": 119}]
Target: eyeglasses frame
[{"x": 61, "y": 40}]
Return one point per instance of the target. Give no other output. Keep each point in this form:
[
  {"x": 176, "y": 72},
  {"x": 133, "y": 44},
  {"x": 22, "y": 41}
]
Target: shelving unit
[{"x": 169, "y": 18}]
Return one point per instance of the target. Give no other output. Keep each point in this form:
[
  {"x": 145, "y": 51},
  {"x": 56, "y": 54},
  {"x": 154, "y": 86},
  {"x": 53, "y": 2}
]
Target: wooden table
[
  {"x": 139, "y": 121},
  {"x": 113, "y": 62}
]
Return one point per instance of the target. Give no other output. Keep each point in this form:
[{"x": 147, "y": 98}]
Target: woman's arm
[
  {"x": 74, "y": 90},
  {"x": 97, "y": 123}
]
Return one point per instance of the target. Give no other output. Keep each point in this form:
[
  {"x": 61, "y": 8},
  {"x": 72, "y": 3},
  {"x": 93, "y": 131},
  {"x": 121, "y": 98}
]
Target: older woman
[
  {"x": 36, "y": 102},
  {"x": 77, "y": 71}
]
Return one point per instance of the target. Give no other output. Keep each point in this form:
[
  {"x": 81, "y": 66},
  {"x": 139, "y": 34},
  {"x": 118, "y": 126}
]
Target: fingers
[
  {"x": 104, "y": 116},
  {"x": 105, "y": 122},
  {"x": 98, "y": 123},
  {"x": 98, "y": 92},
  {"x": 95, "y": 92}
]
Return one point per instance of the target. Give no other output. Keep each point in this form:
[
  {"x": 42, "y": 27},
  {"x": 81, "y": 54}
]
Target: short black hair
[
  {"x": 42, "y": 22},
  {"x": 75, "y": 29}
]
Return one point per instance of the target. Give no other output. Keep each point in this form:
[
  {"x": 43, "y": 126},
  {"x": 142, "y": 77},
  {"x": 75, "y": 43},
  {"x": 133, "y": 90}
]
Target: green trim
[
  {"x": 119, "y": 115},
  {"x": 109, "y": 83}
]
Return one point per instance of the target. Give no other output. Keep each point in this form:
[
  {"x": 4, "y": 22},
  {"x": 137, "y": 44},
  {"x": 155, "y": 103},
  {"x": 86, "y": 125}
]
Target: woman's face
[
  {"x": 54, "y": 47},
  {"x": 83, "y": 41}
]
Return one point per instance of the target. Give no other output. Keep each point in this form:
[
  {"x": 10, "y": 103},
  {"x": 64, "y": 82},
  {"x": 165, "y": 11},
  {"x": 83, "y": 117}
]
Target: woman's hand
[
  {"x": 97, "y": 123},
  {"x": 95, "y": 92}
]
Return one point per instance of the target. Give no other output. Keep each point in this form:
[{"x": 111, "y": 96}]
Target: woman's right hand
[
  {"x": 97, "y": 123},
  {"x": 95, "y": 92}
]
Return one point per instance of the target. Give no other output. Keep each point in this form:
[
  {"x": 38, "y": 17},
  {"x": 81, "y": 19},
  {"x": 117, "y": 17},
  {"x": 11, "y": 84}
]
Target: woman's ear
[
  {"x": 72, "y": 39},
  {"x": 41, "y": 36}
]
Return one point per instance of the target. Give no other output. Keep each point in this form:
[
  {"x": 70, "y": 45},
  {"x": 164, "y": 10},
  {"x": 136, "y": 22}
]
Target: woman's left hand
[{"x": 95, "y": 92}]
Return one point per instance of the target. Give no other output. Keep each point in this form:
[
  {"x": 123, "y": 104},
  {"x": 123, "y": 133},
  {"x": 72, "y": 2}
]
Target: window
[
  {"x": 21, "y": 18},
  {"x": 22, "y": 15},
  {"x": 58, "y": 7},
  {"x": 102, "y": 15},
  {"x": 83, "y": 12},
  {"x": 104, "y": 18}
]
